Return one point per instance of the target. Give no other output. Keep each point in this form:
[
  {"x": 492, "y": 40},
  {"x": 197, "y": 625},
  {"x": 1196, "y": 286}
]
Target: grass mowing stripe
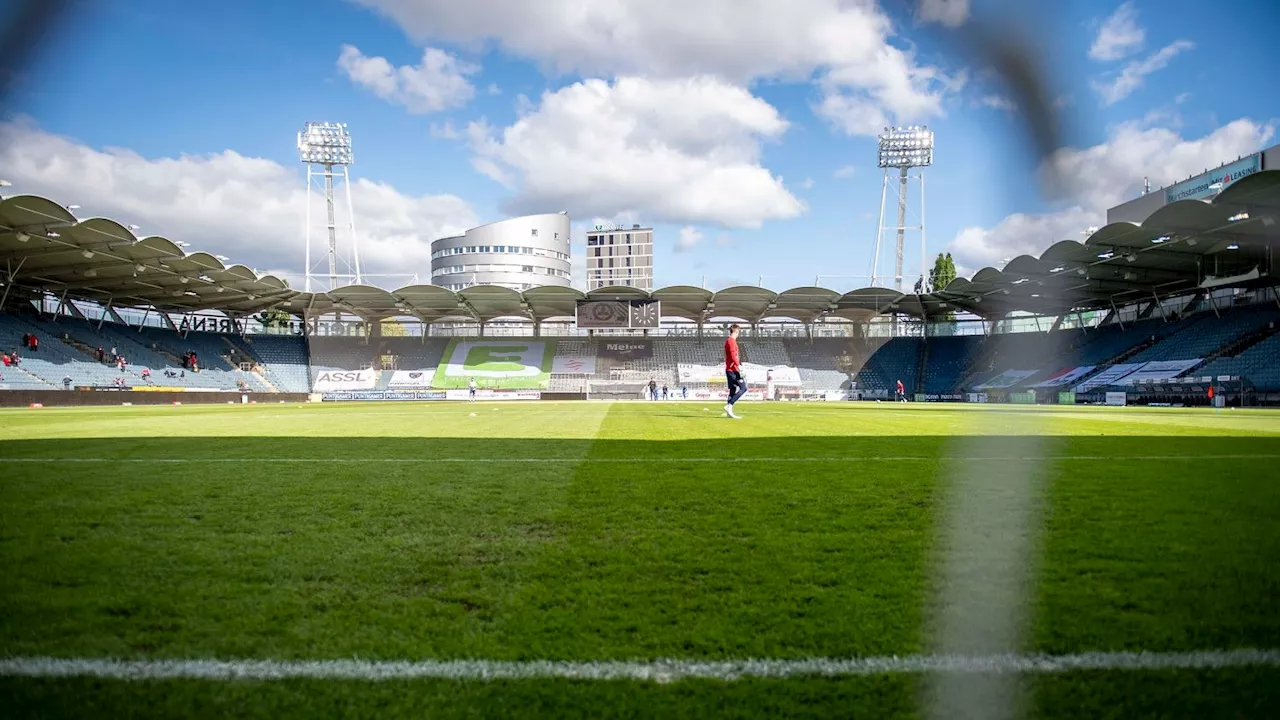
[
  {"x": 653, "y": 671},
  {"x": 638, "y": 460}
]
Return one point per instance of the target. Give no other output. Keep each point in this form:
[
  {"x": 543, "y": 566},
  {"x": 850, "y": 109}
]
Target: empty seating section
[
  {"x": 948, "y": 359},
  {"x": 283, "y": 357},
  {"x": 1200, "y": 335},
  {"x": 874, "y": 365}
]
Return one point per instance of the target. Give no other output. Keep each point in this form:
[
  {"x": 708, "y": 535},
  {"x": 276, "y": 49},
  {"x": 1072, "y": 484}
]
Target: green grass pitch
[{"x": 597, "y": 532}]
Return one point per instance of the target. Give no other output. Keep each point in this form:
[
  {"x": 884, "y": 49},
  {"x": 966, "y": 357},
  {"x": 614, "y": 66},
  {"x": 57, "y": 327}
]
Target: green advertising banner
[
  {"x": 1066, "y": 398},
  {"x": 1022, "y": 398},
  {"x": 507, "y": 364}
]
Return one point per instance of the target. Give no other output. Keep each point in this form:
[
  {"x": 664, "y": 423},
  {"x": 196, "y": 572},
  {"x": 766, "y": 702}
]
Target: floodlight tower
[
  {"x": 326, "y": 150},
  {"x": 903, "y": 148}
]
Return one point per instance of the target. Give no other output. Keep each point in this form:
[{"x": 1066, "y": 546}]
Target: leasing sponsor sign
[
  {"x": 340, "y": 380},
  {"x": 1202, "y": 186}
]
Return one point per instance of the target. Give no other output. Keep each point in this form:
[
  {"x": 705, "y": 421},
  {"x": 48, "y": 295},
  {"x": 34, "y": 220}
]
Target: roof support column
[
  {"x": 1159, "y": 306},
  {"x": 105, "y": 310},
  {"x": 1214, "y": 304},
  {"x": 1057, "y": 322},
  {"x": 1116, "y": 312},
  {"x": 481, "y": 329},
  {"x": 61, "y": 301},
  {"x": 9, "y": 278}
]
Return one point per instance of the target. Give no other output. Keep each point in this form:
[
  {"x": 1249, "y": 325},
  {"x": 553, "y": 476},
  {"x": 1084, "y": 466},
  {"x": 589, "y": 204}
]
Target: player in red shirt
[
  {"x": 902, "y": 392},
  {"x": 733, "y": 372}
]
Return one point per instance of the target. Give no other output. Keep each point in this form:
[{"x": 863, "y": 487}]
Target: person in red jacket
[{"x": 733, "y": 372}]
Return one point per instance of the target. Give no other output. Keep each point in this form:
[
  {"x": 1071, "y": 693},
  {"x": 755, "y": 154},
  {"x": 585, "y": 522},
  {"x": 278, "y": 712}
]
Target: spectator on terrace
[
  {"x": 35, "y": 343},
  {"x": 102, "y": 356},
  {"x": 15, "y": 357},
  {"x": 119, "y": 363},
  {"x": 8, "y": 361},
  {"x": 146, "y": 375},
  {"x": 664, "y": 392},
  {"x": 66, "y": 383},
  {"x": 26, "y": 340},
  {"x": 114, "y": 354}
]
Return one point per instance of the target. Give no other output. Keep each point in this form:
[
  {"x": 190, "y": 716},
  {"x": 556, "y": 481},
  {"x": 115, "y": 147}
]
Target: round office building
[{"x": 519, "y": 253}]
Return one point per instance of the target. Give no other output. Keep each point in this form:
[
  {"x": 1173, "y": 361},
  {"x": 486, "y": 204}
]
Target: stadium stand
[
  {"x": 1243, "y": 341},
  {"x": 947, "y": 359}
]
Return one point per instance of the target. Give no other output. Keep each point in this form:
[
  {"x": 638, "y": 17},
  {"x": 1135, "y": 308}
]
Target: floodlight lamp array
[
  {"x": 907, "y": 146},
  {"x": 325, "y": 143}
]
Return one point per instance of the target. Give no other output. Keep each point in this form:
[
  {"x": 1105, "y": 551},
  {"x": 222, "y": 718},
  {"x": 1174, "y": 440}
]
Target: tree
[
  {"x": 944, "y": 271},
  {"x": 274, "y": 318},
  {"x": 393, "y": 328}
]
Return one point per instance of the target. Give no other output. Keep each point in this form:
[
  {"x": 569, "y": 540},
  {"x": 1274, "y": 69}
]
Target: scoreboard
[{"x": 619, "y": 313}]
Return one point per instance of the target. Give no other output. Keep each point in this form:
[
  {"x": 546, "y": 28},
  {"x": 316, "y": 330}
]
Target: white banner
[
  {"x": 1117, "y": 398},
  {"x": 513, "y": 358},
  {"x": 573, "y": 365},
  {"x": 488, "y": 395},
  {"x": 1107, "y": 377},
  {"x": 754, "y": 374},
  {"x": 1006, "y": 379},
  {"x": 1066, "y": 376},
  {"x": 1160, "y": 370},
  {"x": 330, "y": 381},
  {"x": 977, "y": 397},
  {"x": 412, "y": 379}
]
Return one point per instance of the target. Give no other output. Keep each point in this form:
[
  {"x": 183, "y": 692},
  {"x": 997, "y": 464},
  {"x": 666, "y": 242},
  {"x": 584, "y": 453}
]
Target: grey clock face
[{"x": 645, "y": 314}]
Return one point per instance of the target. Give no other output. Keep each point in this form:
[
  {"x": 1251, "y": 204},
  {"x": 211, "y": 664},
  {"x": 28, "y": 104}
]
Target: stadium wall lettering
[
  {"x": 625, "y": 349},
  {"x": 939, "y": 397}
]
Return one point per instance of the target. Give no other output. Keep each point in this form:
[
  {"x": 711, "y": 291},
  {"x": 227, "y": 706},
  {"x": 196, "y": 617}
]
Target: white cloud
[
  {"x": 842, "y": 172},
  {"x": 1119, "y": 35},
  {"x": 1131, "y": 77},
  {"x": 682, "y": 151},
  {"x": 952, "y": 13},
  {"x": 494, "y": 89},
  {"x": 845, "y": 44},
  {"x": 1182, "y": 98},
  {"x": 249, "y": 209},
  {"x": 997, "y": 102},
  {"x": 807, "y": 183},
  {"x": 689, "y": 237},
  {"x": 438, "y": 83},
  {"x": 1091, "y": 180}
]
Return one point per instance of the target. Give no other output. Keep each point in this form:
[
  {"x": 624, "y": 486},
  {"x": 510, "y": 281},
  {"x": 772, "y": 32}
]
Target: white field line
[
  {"x": 640, "y": 460},
  {"x": 654, "y": 670}
]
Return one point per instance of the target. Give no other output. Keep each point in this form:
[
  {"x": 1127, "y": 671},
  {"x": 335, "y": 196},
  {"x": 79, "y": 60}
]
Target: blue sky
[{"x": 743, "y": 131}]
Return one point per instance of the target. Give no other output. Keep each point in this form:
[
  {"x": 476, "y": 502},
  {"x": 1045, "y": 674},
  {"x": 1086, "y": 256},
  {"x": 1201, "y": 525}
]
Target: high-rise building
[
  {"x": 620, "y": 256},
  {"x": 519, "y": 254}
]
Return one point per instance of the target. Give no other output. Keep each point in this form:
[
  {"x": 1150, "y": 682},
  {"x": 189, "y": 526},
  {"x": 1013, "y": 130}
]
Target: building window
[
  {"x": 526, "y": 268},
  {"x": 535, "y": 232},
  {"x": 628, "y": 237}
]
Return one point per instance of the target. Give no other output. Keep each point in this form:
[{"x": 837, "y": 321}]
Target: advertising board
[
  {"x": 1116, "y": 398},
  {"x": 508, "y": 363},
  {"x": 1203, "y": 186},
  {"x": 344, "y": 380}
]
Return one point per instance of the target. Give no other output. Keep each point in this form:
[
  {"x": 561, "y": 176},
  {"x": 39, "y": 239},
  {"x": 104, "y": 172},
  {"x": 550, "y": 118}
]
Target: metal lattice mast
[
  {"x": 325, "y": 148},
  {"x": 901, "y": 149}
]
